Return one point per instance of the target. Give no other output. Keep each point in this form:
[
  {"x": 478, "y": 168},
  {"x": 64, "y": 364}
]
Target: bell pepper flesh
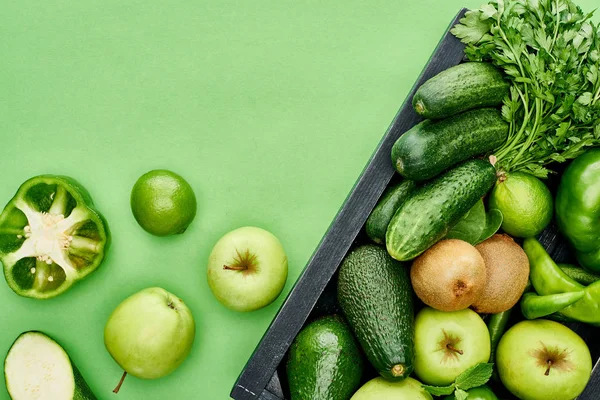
[{"x": 51, "y": 236}]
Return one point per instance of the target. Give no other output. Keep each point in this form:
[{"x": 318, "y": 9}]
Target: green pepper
[
  {"x": 579, "y": 274},
  {"x": 578, "y": 208},
  {"x": 547, "y": 278},
  {"x": 50, "y": 236},
  {"x": 535, "y": 306},
  {"x": 496, "y": 326}
]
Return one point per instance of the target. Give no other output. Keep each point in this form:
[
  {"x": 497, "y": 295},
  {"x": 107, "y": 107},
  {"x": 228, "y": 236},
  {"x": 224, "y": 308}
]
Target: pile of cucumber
[{"x": 445, "y": 168}]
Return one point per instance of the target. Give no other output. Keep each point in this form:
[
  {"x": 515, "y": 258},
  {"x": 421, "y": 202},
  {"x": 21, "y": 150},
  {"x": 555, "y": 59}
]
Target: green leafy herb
[
  {"x": 493, "y": 220},
  {"x": 440, "y": 390},
  {"x": 476, "y": 226},
  {"x": 550, "y": 51},
  {"x": 471, "y": 226},
  {"x": 460, "y": 394},
  {"x": 475, "y": 376}
]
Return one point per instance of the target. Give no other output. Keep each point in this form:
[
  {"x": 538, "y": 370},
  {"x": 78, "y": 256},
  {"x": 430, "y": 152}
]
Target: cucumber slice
[
  {"x": 50, "y": 236},
  {"x": 38, "y": 368}
]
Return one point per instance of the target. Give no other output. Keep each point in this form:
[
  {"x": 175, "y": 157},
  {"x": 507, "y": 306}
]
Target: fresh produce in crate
[
  {"x": 380, "y": 389},
  {"x": 374, "y": 293},
  {"x": 432, "y": 210},
  {"x": 547, "y": 279},
  {"x": 38, "y": 367},
  {"x": 578, "y": 208},
  {"x": 549, "y": 52},
  {"x": 449, "y": 276},
  {"x": 324, "y": 361},
  {"x": 431, "y": 147},
  {"x": 460, "y": 88},
  {"x": 541, "y": 360},
  {"x": 51, "y": 236},
  {"x": 448, "y": 344},
  {"x": 507, "y": 270},
  {"x": 382, "y": 214}
]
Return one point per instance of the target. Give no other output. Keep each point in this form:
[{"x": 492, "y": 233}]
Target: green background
[{"x": 270, "y": 109}]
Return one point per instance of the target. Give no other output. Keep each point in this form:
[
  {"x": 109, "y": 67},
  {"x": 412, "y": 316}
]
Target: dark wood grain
[{"x": 336, "y": 242}]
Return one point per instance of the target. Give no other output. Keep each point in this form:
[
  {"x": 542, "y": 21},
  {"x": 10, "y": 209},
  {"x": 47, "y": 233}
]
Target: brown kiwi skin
[
  {"x": 449, "y": 276},
  {"x": 508, "y": 272}
]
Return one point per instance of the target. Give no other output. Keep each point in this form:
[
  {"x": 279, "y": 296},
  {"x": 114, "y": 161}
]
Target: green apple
[
  {"x": 150, "y": 334},
  {"x": 380, "y": 389},
  {"x": 247, "y": 269},
  {"x": 543, "y": 359},
  {"x": 448, "y": 343},
  {"x": 478, "y": 393}
]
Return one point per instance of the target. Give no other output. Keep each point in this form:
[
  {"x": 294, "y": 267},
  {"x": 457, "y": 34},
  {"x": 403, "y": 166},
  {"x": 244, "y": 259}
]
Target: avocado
[
  {"x": 375, "y": 294},
  {"x": 324, "y": 361}
]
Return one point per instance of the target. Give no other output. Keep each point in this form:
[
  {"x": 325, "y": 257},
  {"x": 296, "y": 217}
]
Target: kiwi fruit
[
  {"x": 449, "y": 276},
  {"x": 508, "y": 271}
]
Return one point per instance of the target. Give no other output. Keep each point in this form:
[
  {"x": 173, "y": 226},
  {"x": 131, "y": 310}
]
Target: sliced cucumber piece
[
  {"x": 38, "y": 368},
  {"x": 50, "y": 236}
]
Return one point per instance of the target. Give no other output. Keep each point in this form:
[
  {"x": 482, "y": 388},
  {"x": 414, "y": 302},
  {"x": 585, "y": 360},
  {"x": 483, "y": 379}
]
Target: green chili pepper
[
  {"x": 535, "y": 306},
  {"x": 547, "y": 278},
  {"x": 579, "y": 274},
  {"x": 578, "y": 208},
  {"x": 497, "y": 326}
]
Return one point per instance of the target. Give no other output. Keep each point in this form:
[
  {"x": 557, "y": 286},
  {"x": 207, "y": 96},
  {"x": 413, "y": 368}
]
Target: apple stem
[
  {"x": 235, "y": 268},
  {"x": 116, "y": 390},
  {"x": 549, "y": 362},
  {"x": 452, "y": 348}
]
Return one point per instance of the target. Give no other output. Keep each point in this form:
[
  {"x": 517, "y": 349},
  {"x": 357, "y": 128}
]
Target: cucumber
[
  {"x": 431, "y": 147},
  {"x": 460, "y": 88},
  {"x": 375, "y": 294},
  {"x": 36, "y": 367},
  {"x": 432, "y": 210},
  {"x": 383, "y": 212}
]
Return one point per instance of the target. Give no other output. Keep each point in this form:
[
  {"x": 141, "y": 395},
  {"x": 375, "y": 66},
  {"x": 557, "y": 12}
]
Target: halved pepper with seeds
[{"x": 50, "y": 236}]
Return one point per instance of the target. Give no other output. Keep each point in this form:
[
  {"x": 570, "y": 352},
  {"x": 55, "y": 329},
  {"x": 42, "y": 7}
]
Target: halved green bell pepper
[
  {"x": 50, "y": 236},
  {"x": 578, "y": 208}
]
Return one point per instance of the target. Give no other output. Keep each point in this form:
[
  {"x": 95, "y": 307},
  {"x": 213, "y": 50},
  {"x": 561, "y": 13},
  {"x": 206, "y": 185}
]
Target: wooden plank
[
  {"x": 334, "y": 245},
  {"x": 592, "y": 390}
]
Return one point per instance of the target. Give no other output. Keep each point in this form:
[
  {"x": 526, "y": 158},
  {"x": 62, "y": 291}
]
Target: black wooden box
[{"x": 263, "y": 377}]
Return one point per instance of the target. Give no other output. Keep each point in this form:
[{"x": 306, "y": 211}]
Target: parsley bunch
[{"x": 550, "y": 51}]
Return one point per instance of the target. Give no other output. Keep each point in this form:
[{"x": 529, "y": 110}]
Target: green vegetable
[
  {"x": 548, "y": 279},
  {"x": 497, "y": 326},
  {"x": 579, "y": 274},
  {"x": 578, "y": 208},
  {"x": 37, "y": 367},
  {"x": 375, "y": 293},
  {"x": 324, "y": 361},
  {"x": 550, "y": 52},
  {"x": 380, "y": 217},
  {"x": 460, "y": 88},
  {"x": 431, "y": 147},
  {"x": 535, "y": 306},
  {"x": 51, "y": 236},
  {"x": 429, "y": 214},
  {"x": 476, "y": 226},
  {"x": 473, "y": 377}
]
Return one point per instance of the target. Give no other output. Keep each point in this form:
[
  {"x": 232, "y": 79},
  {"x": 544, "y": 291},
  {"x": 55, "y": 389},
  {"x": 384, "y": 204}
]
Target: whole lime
[
  {"x": 163, "y": 203},
  {"x": 525, "y": 202}
]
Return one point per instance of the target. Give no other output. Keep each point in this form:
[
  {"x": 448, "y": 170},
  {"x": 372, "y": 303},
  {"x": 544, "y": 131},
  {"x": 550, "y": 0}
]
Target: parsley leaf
[{"x": 549, "y": 51}]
